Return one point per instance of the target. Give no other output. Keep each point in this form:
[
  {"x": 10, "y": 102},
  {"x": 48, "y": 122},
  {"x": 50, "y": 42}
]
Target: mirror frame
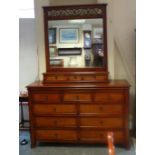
[{"x": 89, "y": 11}]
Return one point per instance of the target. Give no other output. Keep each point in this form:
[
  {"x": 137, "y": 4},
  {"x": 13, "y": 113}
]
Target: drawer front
[
  {"x": 48, "y": 97},
  {"x": 89, "y": 77},
  {"x": 99, "y": 77},
  {"x": 55, "y": 122},
  {"x": 109, "y": 97},
  {"x": 77, "y": 97},
  {"x": 56, "y": 77},
  {"x": 100, "y": 136},
  {"x": 100, "y": 109},
  {"x": 102, "y": 122},
  {"x": 40, "y": 109},
  {"x": 56, "y": 135},
  {"x": 75, "y": 77}
]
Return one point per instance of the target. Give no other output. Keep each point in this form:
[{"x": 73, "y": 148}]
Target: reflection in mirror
[{"x": 76, "y": 43}]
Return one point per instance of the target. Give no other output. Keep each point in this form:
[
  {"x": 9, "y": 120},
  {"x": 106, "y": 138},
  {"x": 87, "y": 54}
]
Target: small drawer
[
  {"x": 75, "y": 77},
  {"x": 100, "y": 136},
  {"x": 109, "y": 97},
  {"x": 40, "y": 109},
  {"x": 51, "y": 78},
  {"x": 89, "y": 77},
  {"x": 49, "y": 97},
  {"x": 100, "y": 109},
  {"x": 56, "y": 135},
  {"x": 55, "y": 122},
  {"x": 102, "y": 122},
  {"x": 62, "y": 78},
  {"x": 101, "y": 77},
  {"x": 77, "y": 97},
  {"x": 56, "y": 77}
]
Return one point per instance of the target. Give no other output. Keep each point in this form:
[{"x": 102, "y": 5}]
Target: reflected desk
[{"x": 23, "y": 100}]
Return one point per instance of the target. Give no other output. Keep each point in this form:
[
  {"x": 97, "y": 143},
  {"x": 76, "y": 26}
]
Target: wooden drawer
[
  {"x": 51, "y": 78},
  {"x": 101, "y": 109},
  {"x": 89, "y": 77},
  {"x": 56, "y": 135},
  {"x": 55, "y": 122},
  {"x": 109, "y": 97},
  {"x": 48, "y": 97},
  {"x": 101, "y": 122},
  {"x": 75, "y": 77},
  {"x": 41, "y": 109},
  {"x": 99, "y": 77},
  {"x": 99, "y": 136},
  {"x": 77, "y": 97}
]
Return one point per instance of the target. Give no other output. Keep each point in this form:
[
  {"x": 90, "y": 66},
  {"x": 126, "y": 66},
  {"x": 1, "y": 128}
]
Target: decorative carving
[{"x": 75, "y": 12}]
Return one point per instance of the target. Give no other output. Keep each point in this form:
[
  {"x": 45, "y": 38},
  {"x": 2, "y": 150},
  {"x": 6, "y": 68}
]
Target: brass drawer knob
[
  {"x": 101, "y": 135},
  {"x": 77, "y": 98},
  {"x": 101, "y": 108},
  {"x": 109, "y": 97},
  {"x": 55, "y": 122},
  {"x": 55, "y": 135},
  {"x": 101, "y": 122},
  {"x": 46, "y": 98},
  {"x": 54, "y": 109}
]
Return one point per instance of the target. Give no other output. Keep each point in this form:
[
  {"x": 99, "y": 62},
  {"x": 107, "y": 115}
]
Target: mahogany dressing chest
[{"x": 76, "y": 102}]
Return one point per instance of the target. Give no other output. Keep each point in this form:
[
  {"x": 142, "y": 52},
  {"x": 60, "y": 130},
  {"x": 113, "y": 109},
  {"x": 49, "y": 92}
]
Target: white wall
[
  {"x": 38, "y": 4},
  {"x": 124, "y": 24},
  {"x": 28, "y": 62}
]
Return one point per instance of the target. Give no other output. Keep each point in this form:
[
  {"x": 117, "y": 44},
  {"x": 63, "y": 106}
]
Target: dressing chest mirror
[{"x": 76, "y": 102}]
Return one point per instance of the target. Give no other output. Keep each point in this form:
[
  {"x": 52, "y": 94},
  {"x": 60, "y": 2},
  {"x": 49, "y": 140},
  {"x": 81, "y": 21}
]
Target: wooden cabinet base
[{"x": 79, "y": 113}]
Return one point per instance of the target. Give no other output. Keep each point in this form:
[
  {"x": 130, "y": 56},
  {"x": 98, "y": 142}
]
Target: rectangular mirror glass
[{"x": 76, "y": 43}]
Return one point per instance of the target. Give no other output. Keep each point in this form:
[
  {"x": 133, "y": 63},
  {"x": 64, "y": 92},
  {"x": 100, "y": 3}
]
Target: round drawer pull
[
  {"x": 77, "y": 98},
  {"x": 54, "y": 109},
  {"x": 101, "y": 109},
  {"x": 55, "y": 123},
  {"x": 100, "y": 135},
  {"x": 109, "y": 97},
  {"x": 55, "y": 135},
  {"x": 101, "y": 122},
  {"x": 46, "y": 98}
]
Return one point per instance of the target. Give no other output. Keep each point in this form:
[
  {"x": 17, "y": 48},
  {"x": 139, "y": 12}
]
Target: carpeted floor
[{"x": 62, "y": 149}]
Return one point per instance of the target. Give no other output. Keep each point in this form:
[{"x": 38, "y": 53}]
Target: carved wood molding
[{"x": 75, "y": 11}]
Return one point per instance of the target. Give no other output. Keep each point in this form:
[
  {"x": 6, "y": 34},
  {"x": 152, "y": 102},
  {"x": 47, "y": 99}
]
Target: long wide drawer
[
  {"x": 46, "y": 97},
  {"x": 109, "y": 97},
  {"x": 99, "y": 136},
  {"x": 51, "y": 109},
  {"x": 55, "y": 122},
  {"x": 56, "y": 135},
  {"x": 101, "y": 109},
  {"x": 86, "y": 97},
  {"x": 102, "y": 122}
]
